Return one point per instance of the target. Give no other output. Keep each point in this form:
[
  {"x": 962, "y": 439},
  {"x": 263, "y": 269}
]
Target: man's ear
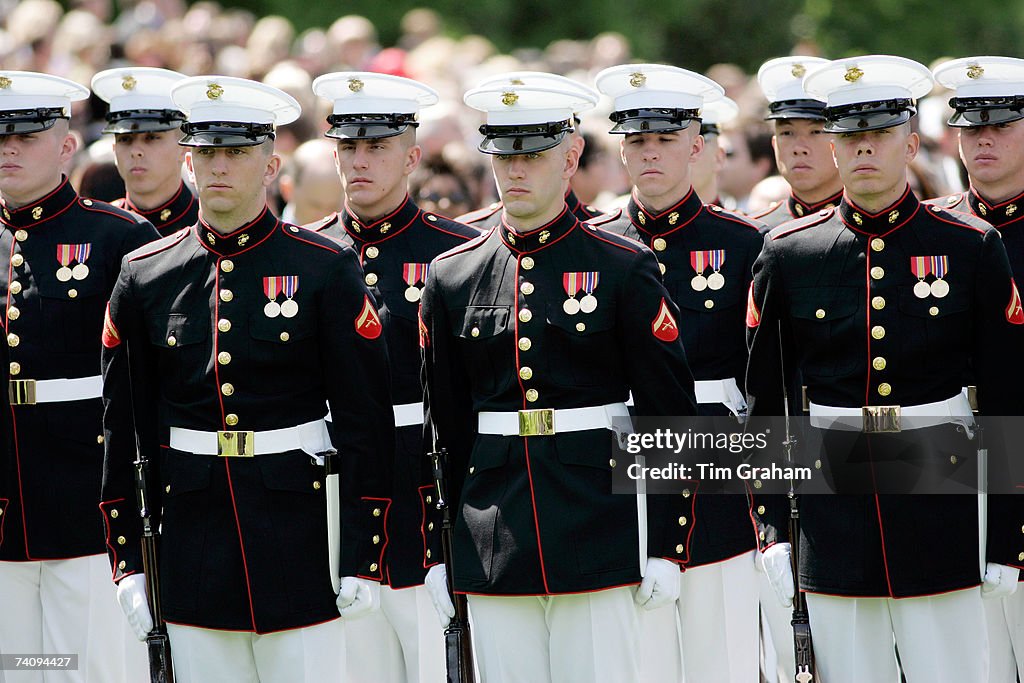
[{"x": 272, "y": 170}]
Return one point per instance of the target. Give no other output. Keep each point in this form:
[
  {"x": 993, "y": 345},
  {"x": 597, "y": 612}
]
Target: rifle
[
  {"x": 458, "y": 642},
  {"x": 803, "y": 646},
  {"x": 158, "y": 644}
]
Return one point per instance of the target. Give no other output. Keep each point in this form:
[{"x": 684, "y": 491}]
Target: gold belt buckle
[
  {"x": 540, "y": 422},
  {"x": 236, "y": 444},
  {"x": 881, "y": 419},
  {"x": 22, "y": 392}
]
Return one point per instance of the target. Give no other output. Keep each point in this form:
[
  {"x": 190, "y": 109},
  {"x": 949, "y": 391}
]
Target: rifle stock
[{"x": 158, "y": 644}]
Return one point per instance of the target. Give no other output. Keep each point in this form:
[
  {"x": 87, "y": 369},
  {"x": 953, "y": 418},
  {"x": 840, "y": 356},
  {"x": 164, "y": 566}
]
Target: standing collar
[
  {"x": 1000, "y": 214},
  {"x": 43, "y": 209},
  {"x": 885, "y": 221},
  {"x": 168, "y": 212},
  {"x": 799, "y": 208},
  {"x": 669, "y": 220},
  {"x": 241, "y": 239},
  {"x": 538, "y": 238},
  {"x": 382, "y": 228}
]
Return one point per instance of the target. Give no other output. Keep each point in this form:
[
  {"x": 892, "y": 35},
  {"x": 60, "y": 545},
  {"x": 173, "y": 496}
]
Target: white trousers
[
  {"x": 582, "y": 638},
  {"x": 777, "y": 633},
  {"x": 315, "y": 654},
  {"x": 403, "y": 642},
  {"x": 68, "y": 607},
  {"x": 1006, "y": 636},
  {"x": 941, "y": 638}
]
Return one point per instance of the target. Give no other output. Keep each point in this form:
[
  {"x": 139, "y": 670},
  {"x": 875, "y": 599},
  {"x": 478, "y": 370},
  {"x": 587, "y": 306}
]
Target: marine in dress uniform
[
  {"x": 705, "y": 168},
  {"x": 802, "y": 150},
  {"x": 705, "y": 255},
  {"x": 881, "y": 305},
  {"x": 146, "y": 128},
  {"x": 224, "y": 345},
  {"x": 374, "y": 123},
  {"x": 986, "y": 103},
  {"x": 533, "y": 335},
  {"x": 62, "y": 254}
]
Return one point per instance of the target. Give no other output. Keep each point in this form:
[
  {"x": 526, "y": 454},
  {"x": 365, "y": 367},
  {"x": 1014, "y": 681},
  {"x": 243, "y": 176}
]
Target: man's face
[
  {"x": 373, "y": 171},
  {"x": 658, "y": 164},
  {"x": 875, "y": 162},
  {"x": 708, "y": 165},
  {"x": 804, "y": 155},
  {"x": 148, "y": 161},
  {"x": 994, "y": 155},
  {"x": 230, "y": 179},
  {"x": 30, "y": 165},
  {"x": 533, "y": 185}
]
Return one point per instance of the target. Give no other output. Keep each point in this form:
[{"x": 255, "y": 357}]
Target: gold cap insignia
[
  {"x": 355, "y": 85},
  {"x": 853, "y": 74},
  {"x": 894, "y": 216},
  {"x": 798, "y": 70},
  {"x": 165, "y": 214},
  {"x": 673, "y": 218},
  {"x": 243, "y": 238},
  {"x": 384, "y": 227},
  {"x": 982, "y": 210},
  {"x": 214, "y": 91},
  {"x": 1011, "y": 209},
  {"x": 37, "y": 213},
  {"x": 799, "y": 210},
  {"x": 975, "y": 71},
  {"x": 509, "y": 98},
  {"x": 642, "y": 218},
  {"x": 5, "y": 82},
  {"x": 211, "y": 238},
  {"x": 516, "y": 81},
  {"x": 545, "y": 235},
  {"x": 637, "y": 79},
  {"x": 511, "y": 238},
  {"x": 128, "y": 83},
  {"x": 857, "y": 219}
]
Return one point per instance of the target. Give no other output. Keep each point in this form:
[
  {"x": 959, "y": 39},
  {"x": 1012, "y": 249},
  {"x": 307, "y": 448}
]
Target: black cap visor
[
  {"x": 867, "y": 116},
  {"x": 796, "y": 109},
  {"x": 27, "y": 121},
  {"x": 523, "y": 139},
  {"x": 710, "y": 129},
  {"x": 225, "y": 134},
  {"x": 368, "y": 126},
  {"x": 143, "y": 121},
  {"x": 652, "y": 120},
  {"x": 985, "y": 111}
]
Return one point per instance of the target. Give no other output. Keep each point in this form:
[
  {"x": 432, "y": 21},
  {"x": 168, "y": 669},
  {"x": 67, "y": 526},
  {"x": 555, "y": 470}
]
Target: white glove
[
  {"x": 131, "y": 595},
  {"x": 999, "y": 581},
  {"x": 660, "y": 586},
  {"x": 437, "y": 586},
  {"x": 357, "y": 597},
  {"x": 777, "y": 566}
]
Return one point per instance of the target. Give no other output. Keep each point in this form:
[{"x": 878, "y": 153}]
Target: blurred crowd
[{"x": 206, "y": 38}]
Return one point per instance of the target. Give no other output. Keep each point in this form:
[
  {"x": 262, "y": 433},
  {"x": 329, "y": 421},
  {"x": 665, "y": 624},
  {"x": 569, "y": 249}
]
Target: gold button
[
  {"x": 428, "y": 499},
  {"x": 87, "y": 202},
  {"x": 817, "y": 464},
  {"x": 121, "y": 540},
  {"x": 316, "y": 486},
  {"x": 72, "y": 293},
  {"x": 686, "y": 493},
  {"x": 227, "y": 388},
  {"x": 372, "y": 252},
  {"x": 660, "y": 244},
  {"x": 227, "y": 265},
  {"x": 527, "y": 263},
  {"x": 878, "y": 363},
  {"x": 167, "y": 489},
  {"x": 223, "y": 325},
  {"x": 953, "y": 459},
  {"x": 472, "y": 470},
  {"x": 1020, "y": 557},
  {"x": 15, "y": 287},
  {"x": 878, "y": 303},
  {"x": 612, "y": 463},
  {"x": 230, "y": 419},
  {"x": 17, "y": 260},
  {"x": 709, "y": 304},
  {"x": 934, "y": 310},
  {"x": 532, "y": 395},
  {"x": 525, "y": 372},
  {"x": 284, "y": 336},
  {"x": 757, "y": 484},
  {"x": 877, "y": 273},
  {"x": 13, "y": 339},
  {"x": 13, "y": 313},
  {"x": 373, "y": 567},
  {"x": 525, "y": 344},
  {"x": 679, "y": 548},
  {"x": 877, "y": 244},
  {"x": 371, "y": 279},
  {"x": 525, "y": 315},
  {"x": 1022, "y": 529},
  {"x": 661, "y": 266},
  {"x": 760, "y": 509},
  {"x": 99, "y": 439},
  {"x": 430, "y": 526},
  {"x": 15, "y": 368},
  {"x": 682, "y": 521},
  {"x": 884, "y": 389},
  {"x": 172, "y": 341},
  {"x": 581, "y": 327},
  {"x": 20, "y": 235},
  {"x": 820, "y": 313},
  {"x": 761, "y": 535},
  {"x": 475, "y": 332},
  {"x": 877, "y": 331},
  {"x": 226, "y": 295},
  {"x": 375, "y": 539},
  {"x": 114, "y": 513},
  {"x": 428, "y": 553},
  {"x": 376, "y": 512},
  {"x": 121, "y": 565},
  {"x": 526, "y": 288},
  {"x": 223, "y": 357}
]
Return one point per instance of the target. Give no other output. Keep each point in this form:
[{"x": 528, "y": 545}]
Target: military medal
[
  {"x": 64, "y": 258},
  {"x": 940, "y": 288},
  {"x": 290, "y": 308},
  {"x": 414, "y": 273},
  {"x": 921, "y": 266},
  {"x": 698, "y": 259},
  {"x": 716, "y": 280},
  {"x": 571, "y": 283},
  {"x": 272, "y": 287},
  {"x": 588, "y": 304},
  {"x": 81, "y": 271}
]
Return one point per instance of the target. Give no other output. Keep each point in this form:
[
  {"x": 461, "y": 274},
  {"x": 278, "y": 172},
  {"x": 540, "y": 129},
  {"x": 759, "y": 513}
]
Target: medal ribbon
[
  {"x": 940, "y": 266},
  {"x": 413, "y": 273},
  {"x": 590, "y": 281},
  {"x": 64, "y": 254},
  {"x": 571, "y": 283},
  {"x": 82, "y": 252},
  {"x": 699, "y": 261},
  {"x": 291, "y": 285},
  {"x": 921, "y": 266},
  {"x": 272, "y": 287},
  {"x": 717, "y": 259}
]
